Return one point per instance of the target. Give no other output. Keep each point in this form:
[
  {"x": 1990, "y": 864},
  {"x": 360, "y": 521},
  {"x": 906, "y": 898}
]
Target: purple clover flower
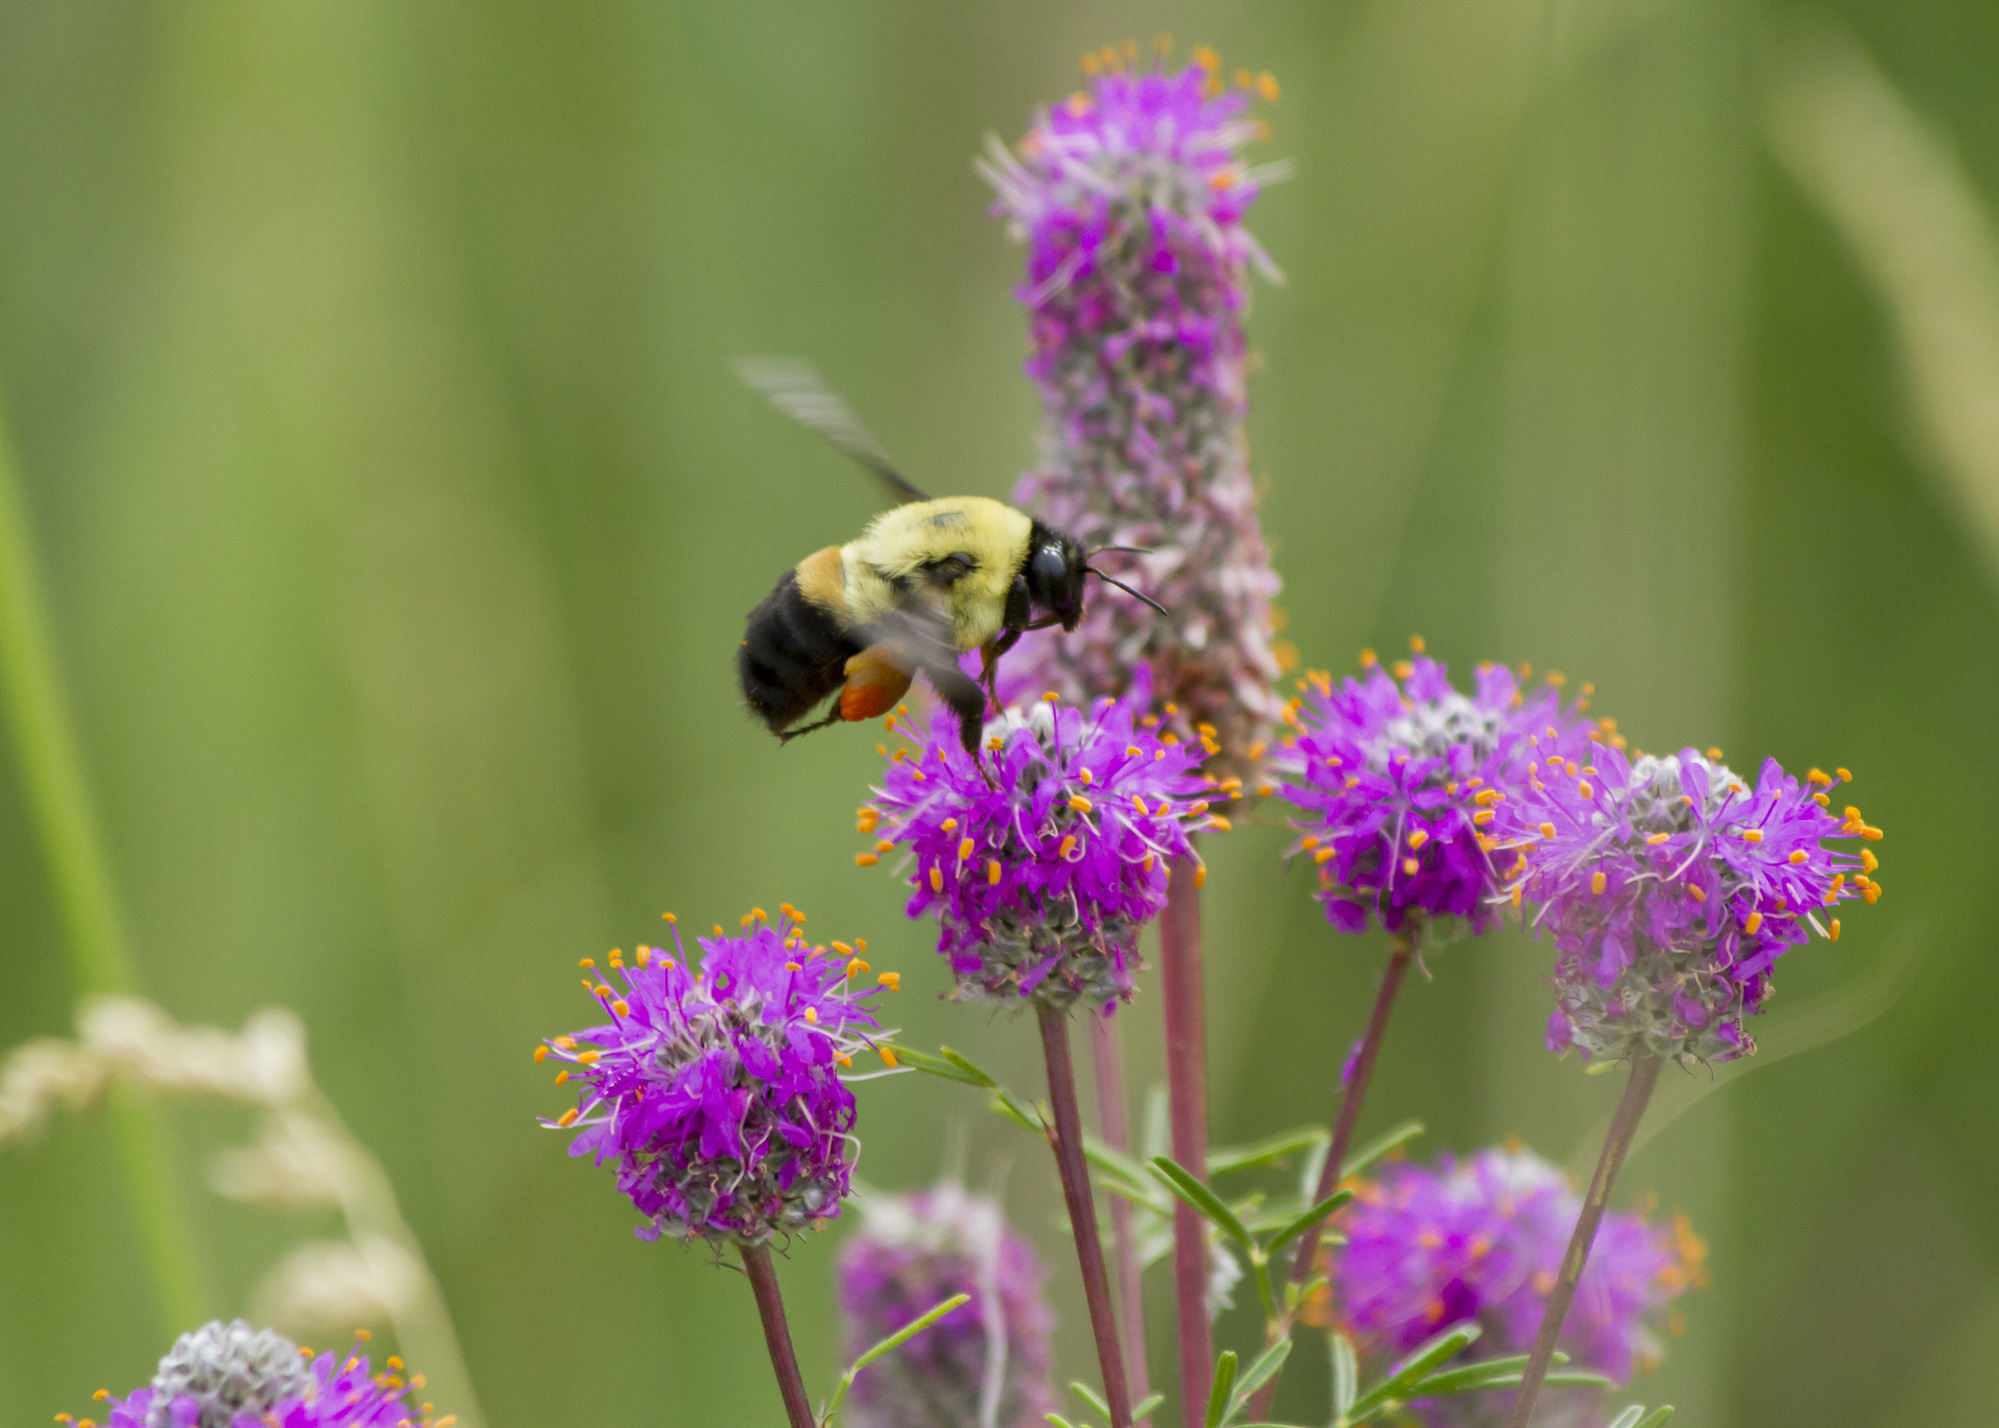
[
  {"x": 234, "y": 1376},
  {"x": 1130, "y": 199},
  {"x": 1045, "y": 855},
  {"x": 716, "y": 1090},
  {"x": 1402, "y": 780},
  {"x": 1672, "y": 888},
  {"x": 985, "y": 1364},
  {"x": 1482, "y": 1240}
]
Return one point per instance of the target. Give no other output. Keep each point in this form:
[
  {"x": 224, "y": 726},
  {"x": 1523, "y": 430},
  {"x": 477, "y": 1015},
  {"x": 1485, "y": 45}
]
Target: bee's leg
[
  {"x": 833, "y": 716},
  {"x": 1013, "y": 620},
  {"x": 967, "y": 701}
]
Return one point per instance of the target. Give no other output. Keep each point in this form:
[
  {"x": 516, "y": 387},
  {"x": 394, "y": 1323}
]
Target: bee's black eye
[{"x": 1047, "y": 571}]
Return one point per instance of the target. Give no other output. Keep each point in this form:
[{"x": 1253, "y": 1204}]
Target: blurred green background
[{"x": 366, "y": 368}]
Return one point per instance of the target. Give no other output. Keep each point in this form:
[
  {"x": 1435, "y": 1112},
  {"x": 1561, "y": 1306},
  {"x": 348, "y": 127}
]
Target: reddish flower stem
[
  {"x": 1187, "y": 1099},
  {"x": 1400, "y": 952},
  {"x": 777, "y": 1334},
  {"x": 1107, "y": 1059},
  {"x": 1083, "y": 1209},
  {"x": 1623, "y": 1126}
]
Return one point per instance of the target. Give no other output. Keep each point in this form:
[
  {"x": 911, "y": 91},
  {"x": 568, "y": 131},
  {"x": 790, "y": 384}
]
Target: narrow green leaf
[
  {"x": 1018, "y": 1111},
  {"x": 1218, "y": 1393},
  {"x": 1359, "y": 1160},
  {"x": 1122, "y": 1175},
  {"x": 978, "y": 1075},
  {"x": 1056, "y": 1420},
  {"x": 1657, "y": 1416},
  {"x": 1258, "y": 1373},
  {"x": 1305, "y": 1221},
  {"x": 1403, "y": 1378},
  {"x": 1346, "y": 1375},
  {"x": 1480, "y": 1375},
  {"x": 1147, "y": 1406},
  {"x": 1270, "y": 1151},
  {"x": 1204, "y": 1200},
  {"x": 1579, "y": 1378},
  {"x": 1628, "y": 1418},
  {"x": 1090, "y": 1396},
  {"x": 937, "y": 1066},
  {"x": 910, "y": 1330}
]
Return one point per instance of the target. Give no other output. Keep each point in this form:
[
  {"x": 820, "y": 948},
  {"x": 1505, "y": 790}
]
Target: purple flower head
[
  {"x": 1130, "y": 199},
  {"x": 234, "y": 1376},
  {"x": 1482, "y": 1241},
  {"x": 716, "y": 1089},
  {"x": 1401, "y": 780},
  {"x": 1671, "y": 888},
  {"x": 986, "y": 1363},
  {"x": 1043, "y": 857}
]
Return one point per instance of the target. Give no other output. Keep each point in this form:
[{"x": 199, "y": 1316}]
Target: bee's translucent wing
[
  {"x": 918, "y": 635},
  {"x": 795, "y": 388}
]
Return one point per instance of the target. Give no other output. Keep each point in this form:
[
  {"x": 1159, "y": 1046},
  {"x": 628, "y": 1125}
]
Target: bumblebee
[{"x": 928, "y": 581}]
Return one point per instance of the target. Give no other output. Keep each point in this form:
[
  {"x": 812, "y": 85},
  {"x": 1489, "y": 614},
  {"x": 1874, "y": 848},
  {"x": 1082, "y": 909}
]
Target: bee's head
[{"x": 1056, "y": 567}]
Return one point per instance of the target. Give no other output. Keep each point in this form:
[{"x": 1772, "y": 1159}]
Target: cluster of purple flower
[
  {"x": 985, "y": 1365},
  {"x": 234, "y": 1376},
  {"x": 1045, "y": 853},
  {"x": 716, "y": 1088},
  {"x": 1672, "y": 888},
  {"x": 1131, "y": 198},
  {"x": 1481, "y": 1241},
  {"x": 1400, "y": 779}
]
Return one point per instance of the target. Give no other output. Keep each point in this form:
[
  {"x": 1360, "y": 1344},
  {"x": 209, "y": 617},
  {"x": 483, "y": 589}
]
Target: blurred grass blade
[
  {"x": 1090, "y": 1396},
  {"x": 911, "y": 1330},
  {"x": 1204, "y": 1200},
  {"x": 1258, "y": 1373},
  {"x": 1270, "y": 1151},
  {"x": 978, "y": 1076},
  {"x": 1361, "y": 1159},
  {"x": 1412, "y": 1370},
  {"x": 1628, "y": 1418},
  {"x": 1147, "y": 1406},
  {"x": 892, "y": 1342},
  {"x": 1478, "y": 1375},
  {"x": 59, "y": 805},
  {"x": 939, "y": 1066},
  {"x": 1657, "y": 1417},
  {"x": 1346, "y": 1375},
  {"x": 1218, "y": 1392},
  {"x": 1305, "y": 1221}
]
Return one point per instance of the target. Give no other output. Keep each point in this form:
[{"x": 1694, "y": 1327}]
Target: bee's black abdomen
[{"x": 794, "y": 654}]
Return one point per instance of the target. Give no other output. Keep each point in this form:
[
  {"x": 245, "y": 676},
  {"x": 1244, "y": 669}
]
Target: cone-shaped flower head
[
  {"x": 1402, "y": 781},
  {"x": 234, "y": 1376},
  {"x": 1482, "y": 1240},
  {"x": 716, "y": 1089},
  {"x": 1672, "y": 888},
  {"x": 1044, "y": 856},
  {"x": 1130, "y": 198},
  {"x": 985, "y": 1364}
]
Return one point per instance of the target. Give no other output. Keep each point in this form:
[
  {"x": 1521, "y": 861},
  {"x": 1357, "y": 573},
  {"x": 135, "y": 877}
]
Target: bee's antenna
[
  {"x": 1127, "y": 549},
  {"x": 1135, "y": 594}
]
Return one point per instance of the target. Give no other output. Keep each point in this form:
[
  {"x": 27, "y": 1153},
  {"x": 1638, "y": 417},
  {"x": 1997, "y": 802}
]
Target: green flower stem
[
  {"x": 59, "y": 805},
  {"x": 1623, "y": 1127}
]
